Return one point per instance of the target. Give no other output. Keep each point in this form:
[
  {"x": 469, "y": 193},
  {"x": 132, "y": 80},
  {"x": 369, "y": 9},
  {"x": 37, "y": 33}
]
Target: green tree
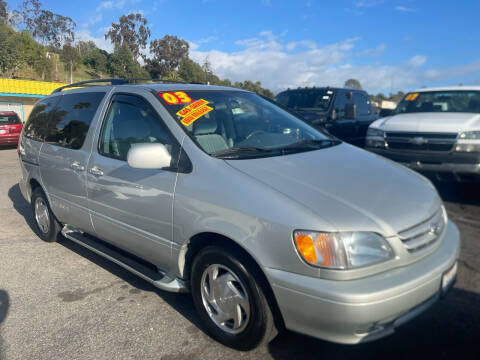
[
  {"x": 3, "y": 12},
  {"x": 93, "y": 57},
  {"x": 70, "y": 57},
  {"x": 190, "y": 71},
  {"x": 34, "y": 55},
  {"x": 47, "y": 27},
  {"x": 167, "y": 53},
  {"x": 255, "y": 87},
  {"x": 131, "y": 31},
  {"x": 353, "y": 84},
  {"x": 10, "y": 56},
  {"x": 122, "y": 64}
]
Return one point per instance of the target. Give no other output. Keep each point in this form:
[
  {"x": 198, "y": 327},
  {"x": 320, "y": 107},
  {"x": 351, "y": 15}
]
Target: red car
[{"x": 10, "y": 128}]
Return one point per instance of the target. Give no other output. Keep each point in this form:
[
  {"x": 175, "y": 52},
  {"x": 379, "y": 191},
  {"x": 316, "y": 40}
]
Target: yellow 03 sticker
[
  {"x": 176, "y": 97},
  {"x": 411, "y": 97}
]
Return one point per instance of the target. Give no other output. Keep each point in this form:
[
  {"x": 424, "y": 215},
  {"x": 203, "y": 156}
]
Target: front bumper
[
  {"x": 441, "y": 163},
  {"x": 364, "y": 309}
]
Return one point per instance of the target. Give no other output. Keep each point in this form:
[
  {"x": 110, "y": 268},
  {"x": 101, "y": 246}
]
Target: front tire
[
  {"x": 228, "y": 299},
  {"x": 46, "y": 225}
]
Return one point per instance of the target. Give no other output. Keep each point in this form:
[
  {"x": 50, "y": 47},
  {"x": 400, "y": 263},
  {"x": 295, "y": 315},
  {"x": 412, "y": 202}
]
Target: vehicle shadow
[
  {"x": 21, "y": 205},
  {"x": 462, "y": 193},
  {"x": 182, "y": 303},
  {"x": 449, "y": 330},
  {"x": 4, "y": 305}
]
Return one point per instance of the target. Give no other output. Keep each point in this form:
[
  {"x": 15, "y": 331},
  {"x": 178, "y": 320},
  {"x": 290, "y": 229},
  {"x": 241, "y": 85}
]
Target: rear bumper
[
  {"x": 9, "y": 140},
  {"x": 364, "y": 309}
]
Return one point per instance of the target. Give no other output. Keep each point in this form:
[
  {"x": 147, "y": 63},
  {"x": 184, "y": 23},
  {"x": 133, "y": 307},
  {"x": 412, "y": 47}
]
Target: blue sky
[{"x": 386, "y": 44}]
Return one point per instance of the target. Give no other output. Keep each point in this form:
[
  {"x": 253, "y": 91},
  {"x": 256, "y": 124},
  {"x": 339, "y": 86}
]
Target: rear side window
[
  {"x": 70, "y": 120},
  {"x": 363, "y": 103},
  {"x": 10, "y": 119},
  {"x": 341, "y": 100},
  {"x": 131, "y": 120},
  {"x": 36, "y": 126}
]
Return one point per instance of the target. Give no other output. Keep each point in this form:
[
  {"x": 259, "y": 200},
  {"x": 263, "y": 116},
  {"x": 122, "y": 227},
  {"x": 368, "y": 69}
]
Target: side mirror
[
  {"x": 333, "y": 115},
  {"x": 149, "y": 156},
  {"x": 351, "y": 111},
  {"x": 385, "y": 112}
]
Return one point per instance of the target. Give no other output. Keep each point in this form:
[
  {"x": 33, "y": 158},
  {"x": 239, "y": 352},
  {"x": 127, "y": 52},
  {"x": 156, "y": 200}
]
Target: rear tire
[
  {"x": 228, "y": 299},
  {"x": 46, "y": 225}
]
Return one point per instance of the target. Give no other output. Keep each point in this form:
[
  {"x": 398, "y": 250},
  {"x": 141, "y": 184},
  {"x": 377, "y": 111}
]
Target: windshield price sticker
[
  {"x": 188, "y": 109},
  {"x": 195, "y": 114},
  {"x": 411, "y": 97},
  {"x": 176, "y": 97}
]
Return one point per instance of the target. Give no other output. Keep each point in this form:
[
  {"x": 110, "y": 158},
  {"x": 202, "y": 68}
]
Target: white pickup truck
[{"x": 434, "y": 130}]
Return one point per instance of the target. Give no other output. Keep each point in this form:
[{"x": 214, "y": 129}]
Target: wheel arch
[{"x": 204, "y": 239}]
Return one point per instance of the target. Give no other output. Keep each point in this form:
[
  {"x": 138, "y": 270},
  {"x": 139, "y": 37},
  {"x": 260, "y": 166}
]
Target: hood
[
  {"x": 429, "y": 122},
  {"x": 352, "y": 189}
]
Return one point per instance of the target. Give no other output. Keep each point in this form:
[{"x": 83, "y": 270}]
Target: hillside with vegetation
[{"x": 39, "y": 44}]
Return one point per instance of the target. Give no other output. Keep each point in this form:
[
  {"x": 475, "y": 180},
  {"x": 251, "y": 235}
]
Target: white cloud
[
  {"x": 375, "y": 52},
  {"x": 305, "y": 63},
  {"x": 405, "y": 9},
  {"x": 417, "y": 61},
  {"x": 368, "y": 3},
  {"x": 84, "y": 35}
]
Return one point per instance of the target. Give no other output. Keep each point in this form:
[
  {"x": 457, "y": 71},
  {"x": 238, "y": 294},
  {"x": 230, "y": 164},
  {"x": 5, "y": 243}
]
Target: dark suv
[{"x": 345, "y": 113}]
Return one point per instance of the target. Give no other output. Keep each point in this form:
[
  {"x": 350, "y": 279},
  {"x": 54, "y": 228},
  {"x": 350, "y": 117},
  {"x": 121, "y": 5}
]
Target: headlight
[
  {"x": 375, "y": 138},
  {"x": 372, "y": 132},
  {"x": 468, "y": 141},
  {"x": 345, "y": 250},
  {"x": 470, "y": 135}
]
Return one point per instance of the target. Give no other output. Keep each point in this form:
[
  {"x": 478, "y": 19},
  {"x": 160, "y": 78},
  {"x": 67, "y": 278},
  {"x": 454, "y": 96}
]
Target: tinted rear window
[
  {"x": 70, "y": 120},
  {"x": 306, "y": 99},
  {"x": 36, "y": 126},
  {"x": 9, "y": 119}
]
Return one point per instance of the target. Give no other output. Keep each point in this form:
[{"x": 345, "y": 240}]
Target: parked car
[
  {"x": 434, "y": 131},
  {"x": 10, "y": 128},
  {"x": 268, "y": 221},
  {"x": 344, "y": 113}
]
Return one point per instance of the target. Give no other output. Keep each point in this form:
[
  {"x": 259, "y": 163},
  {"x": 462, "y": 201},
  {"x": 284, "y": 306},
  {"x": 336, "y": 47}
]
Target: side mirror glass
[
  {"x": 149, "y": 156},
  {"x": 333, "y": 115}
]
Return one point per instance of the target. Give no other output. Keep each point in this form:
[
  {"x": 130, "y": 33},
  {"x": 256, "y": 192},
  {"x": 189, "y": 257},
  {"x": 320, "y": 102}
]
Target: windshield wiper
[
  {"x": 238, "y": 150},
  {"x": 311, "y": 143}
]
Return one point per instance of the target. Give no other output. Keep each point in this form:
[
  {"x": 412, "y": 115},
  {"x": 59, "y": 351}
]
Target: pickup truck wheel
[
  {"x": 46, "y": 226},
  {"x": 229, "y": 301}
]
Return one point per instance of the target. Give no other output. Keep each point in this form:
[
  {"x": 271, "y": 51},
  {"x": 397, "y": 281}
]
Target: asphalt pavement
[{"x": 61, "y": 301}]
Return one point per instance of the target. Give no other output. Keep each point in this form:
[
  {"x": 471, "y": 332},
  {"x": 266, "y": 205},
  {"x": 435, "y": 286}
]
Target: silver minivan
[{"x": 267, "y": 221}]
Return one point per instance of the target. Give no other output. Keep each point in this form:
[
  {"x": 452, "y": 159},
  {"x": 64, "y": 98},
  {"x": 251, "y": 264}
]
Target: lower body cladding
[
  {"x": 452, "y": 166},
  {"x": 369, "y": 308}
]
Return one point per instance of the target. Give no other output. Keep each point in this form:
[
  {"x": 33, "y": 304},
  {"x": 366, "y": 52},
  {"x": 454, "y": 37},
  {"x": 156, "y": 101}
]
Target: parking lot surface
[{"x": 61, "y": 301}]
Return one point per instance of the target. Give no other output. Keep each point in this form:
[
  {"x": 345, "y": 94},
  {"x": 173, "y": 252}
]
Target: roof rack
[{"x": 115, "y": 81}]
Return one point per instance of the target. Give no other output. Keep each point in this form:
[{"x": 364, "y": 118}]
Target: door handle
[
  {"x": 96, "y": 171},
  {"x": 77, "y": 166}
]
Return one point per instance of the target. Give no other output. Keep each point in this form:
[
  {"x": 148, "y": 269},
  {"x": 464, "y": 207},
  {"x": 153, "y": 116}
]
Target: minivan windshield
[
  {"x": 238, "y": 125},
  {"x": 440, "y": 101},
  {"x": 306, "y": 99}
]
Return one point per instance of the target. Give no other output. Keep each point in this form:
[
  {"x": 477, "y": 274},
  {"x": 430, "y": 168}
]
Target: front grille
[
  {"x": 417, "y": 141},
  {"x": 423, "y": 235}
]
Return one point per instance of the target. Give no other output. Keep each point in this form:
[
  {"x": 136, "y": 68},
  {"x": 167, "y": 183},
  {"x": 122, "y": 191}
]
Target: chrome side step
[{"x": 157, "y": 279}]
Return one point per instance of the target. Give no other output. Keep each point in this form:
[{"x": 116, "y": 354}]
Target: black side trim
[
  {"x": 144, "y": 267},
  {"x": 30, "y": 162}
]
